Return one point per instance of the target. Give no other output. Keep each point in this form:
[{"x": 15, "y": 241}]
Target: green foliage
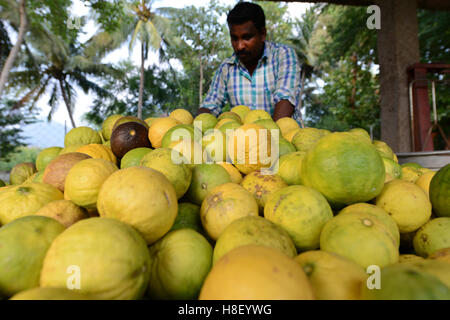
[
  {"x": 10, "y": 128},
  {"x": 279, "y": 24},
  {"x": 201, "y": 43},
  {"x": 161, "y": 94},
  {"x": 21, "y": 154},
  {"x": 345, "y": 102}
]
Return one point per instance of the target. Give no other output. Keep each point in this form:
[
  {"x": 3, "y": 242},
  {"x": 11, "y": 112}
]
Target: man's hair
[{"x": 247, "y": 11}]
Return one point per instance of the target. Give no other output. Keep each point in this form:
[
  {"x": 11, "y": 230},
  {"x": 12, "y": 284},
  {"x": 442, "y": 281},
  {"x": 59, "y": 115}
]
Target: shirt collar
[{"x": 233, "y": 59}]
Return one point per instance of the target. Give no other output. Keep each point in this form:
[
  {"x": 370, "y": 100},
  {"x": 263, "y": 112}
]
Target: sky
[{"x": 83, "y": 101}]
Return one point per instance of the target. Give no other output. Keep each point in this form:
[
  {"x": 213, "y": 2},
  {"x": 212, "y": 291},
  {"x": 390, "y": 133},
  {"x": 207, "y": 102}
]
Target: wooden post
[{"x": 398, "y": 48}]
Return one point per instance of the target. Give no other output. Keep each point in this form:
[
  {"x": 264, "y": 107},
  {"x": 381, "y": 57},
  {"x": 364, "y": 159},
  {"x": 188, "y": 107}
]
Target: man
[{"x": 260, "y": 74}]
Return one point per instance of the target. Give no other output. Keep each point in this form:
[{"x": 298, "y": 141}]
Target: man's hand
[
  {"x": 203, "y": 110},
  {"x": 283, "y": 109}
]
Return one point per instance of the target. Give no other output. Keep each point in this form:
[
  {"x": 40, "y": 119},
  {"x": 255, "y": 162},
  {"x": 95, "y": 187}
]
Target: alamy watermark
[
  {"x": 374, "y": 20},
  {"x": 74, "y": 278},
  {"x": 374, "y": 280},
  {"x": 74, "y": 22}
]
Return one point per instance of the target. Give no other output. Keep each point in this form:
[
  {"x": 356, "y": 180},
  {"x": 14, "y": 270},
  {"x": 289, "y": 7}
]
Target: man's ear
[{"x": 264, "y": 33}]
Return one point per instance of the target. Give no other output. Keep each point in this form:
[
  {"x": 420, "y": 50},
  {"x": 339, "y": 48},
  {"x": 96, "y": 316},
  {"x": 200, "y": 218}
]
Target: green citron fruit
[
  {"x": 363, "y": 239},
  {"x": 284, "y": 147},
  {"x": 204, "y": 178},
  {"x": 344, "y": 168},
  {"x": 180, "y": 262},
  {"x": 21, "y": 172},
  {"x": 101, "y": 257},
  {"x": 302, "y": 212},
  {"x": 406, "y": 282},
  {"x": 205, "y": 121},
  {"x": 23, "y": 246},
  {"x": 82, "y": 136},
  {"x": 188, "y": 217},
  {"x": 45, "y": 156},
  {"x": 307, "y": 138},
  {"x": 432, "y": 236},
  {"x": 253, "y": 230},
  {"x": 290, "y": 167},
  {"x": 133, "y": 157},
  {"x": 392, "y": 168},
  {"x": 165, "y": 160},
  {"x": 440, "y": 192}
]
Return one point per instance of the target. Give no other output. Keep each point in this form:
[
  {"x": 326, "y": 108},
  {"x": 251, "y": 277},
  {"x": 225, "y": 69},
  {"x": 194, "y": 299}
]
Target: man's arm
[
  {"x": 283, "y": 109},
  {"x": 203, "y": 110},
  {"x": 285, "y": 96}
]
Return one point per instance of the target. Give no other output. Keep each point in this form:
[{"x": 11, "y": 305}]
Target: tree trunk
[
  {"x": 15, "y": 50},
  {"x": 354, "y": 78},
  {"x": 141, "y": 83},
  {"x": 300, "y": 103},
  {"x": 67, "y": 102},
  {"x": 200, "y": 91}
]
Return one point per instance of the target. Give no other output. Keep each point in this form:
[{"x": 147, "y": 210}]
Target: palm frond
[
  {"x": 136, "y": 31},
  {"x": 153, "y": 36}
]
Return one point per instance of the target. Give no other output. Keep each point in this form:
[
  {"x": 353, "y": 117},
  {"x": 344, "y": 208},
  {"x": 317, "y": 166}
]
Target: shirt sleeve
[
  {"x": 216, "y": 97},
  {"x": 288, "y": 78}
]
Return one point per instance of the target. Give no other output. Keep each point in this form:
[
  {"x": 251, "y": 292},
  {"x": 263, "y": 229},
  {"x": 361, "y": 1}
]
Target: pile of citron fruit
[{"x": 229, "y": 207}]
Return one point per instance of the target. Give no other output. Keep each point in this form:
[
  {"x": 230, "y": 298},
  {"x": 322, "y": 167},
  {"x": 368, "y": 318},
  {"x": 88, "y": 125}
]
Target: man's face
[{"x": 247, "y": 42}]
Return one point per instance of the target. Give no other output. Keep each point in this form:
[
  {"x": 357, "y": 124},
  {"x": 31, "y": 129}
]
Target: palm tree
[
  {"x": 22, "y": 28},
  {"x": 142, "y": 23},
  {"x": 302, "y": 44},
  {"x": 55, "y": 65}
]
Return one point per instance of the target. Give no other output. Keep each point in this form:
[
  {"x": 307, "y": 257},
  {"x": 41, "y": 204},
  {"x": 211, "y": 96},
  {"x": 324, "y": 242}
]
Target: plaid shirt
[{"x": 276, "y": 77}]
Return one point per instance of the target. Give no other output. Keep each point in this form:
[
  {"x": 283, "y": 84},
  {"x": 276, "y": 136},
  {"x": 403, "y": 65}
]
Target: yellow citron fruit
[
  {"x": 241, "y": 110},
  {"x": 287, "y": 124},
  {"x": 84, "y": 180},
  {"x": 374, "y": 211},
  {"x": 249, "y": 148},
  {"x": 141, "y": 197},
  {"x": 149, "y": 121},
  {"x": 410, "y": 174},
  {"x": 98, "y": 151},
  {"x": 221, "y": 122},
  {"x": 159, "y": 128},
  {"x": 255, "y": 115},
  {"x": 290, "y": 134},
  {"x": 25, "y": 200},
  {"x": 424, "y": 181},
  {"x": 261, "y": 186},
  {"x": 332, "y": 277},
  {"x": 188, "y": 149},
  {"x": 182, "y": 116},
  {"x": 253, "y": 230},
  {"x": 64, "y": 211},
  {"x": 255, "y": 272},
  {"x": 408, "y": 257},
  {"x": 50, "y": 294},
  {"x": 70, "y": 149},
  {"x": 363, "y": 239},
  {"x": 224, "y": 204},
  {"x": 406, "y": 203},
  {"x": 235, "y": 175},
  {"x": 441, "y": 255},
  {"x": 108, "y": 124}
]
